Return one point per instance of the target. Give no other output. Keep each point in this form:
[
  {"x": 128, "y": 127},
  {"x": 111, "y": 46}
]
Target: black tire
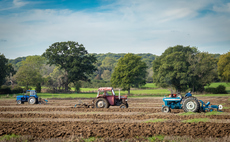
[
  {"x": 127, "y": 105},
  {"x": 19, "y": 102},
  {"x": 165, "y": 109},
  {"x": 101, "y": 103},
  {"x": 191, "y": 104},
  {"x": 184, "y": 98},
  {"x": 123, "y": 106},
  {"x": 32, "y": 100}
]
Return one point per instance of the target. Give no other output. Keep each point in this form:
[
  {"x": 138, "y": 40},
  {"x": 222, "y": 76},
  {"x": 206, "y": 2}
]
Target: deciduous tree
[
  {"x": 30, "y": 71},
  {"x": 170, "y": 69},
  {"x": 6, "y": 69},
  {"x": 129, "y": 72},
  {"x": 184, "y": 67},
  {"x": 224, "y": 67},
  {"x": 73, "y": 58}
]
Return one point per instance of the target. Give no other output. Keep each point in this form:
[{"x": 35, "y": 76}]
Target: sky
[{"x": 29, "y": 27}]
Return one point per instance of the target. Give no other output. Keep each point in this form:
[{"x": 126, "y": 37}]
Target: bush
[
  {"x": 221, "y": 89},
  {"x": 210, "y": 90},
  {"x": 5, "y": 89},
  {"x": 218, "y": 90},
  {"x": 17, "y": 89}
]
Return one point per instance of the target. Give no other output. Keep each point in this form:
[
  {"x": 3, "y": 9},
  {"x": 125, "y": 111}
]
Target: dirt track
[{"x": 59, "y": 119}]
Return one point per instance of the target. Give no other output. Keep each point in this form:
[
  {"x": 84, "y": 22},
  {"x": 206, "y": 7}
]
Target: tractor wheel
[
  {"x": 127, "y": 105},
  {"x": 166, "y": 109},
  {"x": 123, "y": 106},
  {"x": 101, "y": 103},
  {"x": 184, "y": 98},
  {"x": 191, "y": 104},
  {"x": 32, "y": 100},
  {"x": 19, "y": 102}
]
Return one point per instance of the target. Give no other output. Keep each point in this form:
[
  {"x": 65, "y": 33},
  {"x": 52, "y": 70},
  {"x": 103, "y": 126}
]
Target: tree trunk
[
  {"x": 66, "y": 86},
  {"x": 66, "y": 81},
  {"x": 129, "y": 91}
]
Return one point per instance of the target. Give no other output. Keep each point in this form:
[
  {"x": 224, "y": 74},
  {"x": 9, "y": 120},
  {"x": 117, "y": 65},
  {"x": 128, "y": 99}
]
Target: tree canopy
[
  {"x": 129, "y": 72},
  {"x": 224, "y": 66},
  {"x": 3, "y": 68},
  {"x": 184, "y": 67},
  {"x": 73, "y": 58},
  {"x": 30, "y": 71}
]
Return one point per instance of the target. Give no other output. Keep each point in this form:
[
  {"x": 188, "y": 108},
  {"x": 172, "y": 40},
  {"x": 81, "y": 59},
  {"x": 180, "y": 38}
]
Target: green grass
[
  {"x": 214, "y": 113},
  {"x": 90, "y": 139},
  {"x": 9, "y": 137},
  {"x": 156, "y": 138},
  {"x": 187, "y": 113},
  {"x": 212, "y": 95},
  {"x": 216, "y": 84},
  {"x": 155, "y": 120},
  {"x": 149, "y": 85},
  {"x": 196, "y": 120}
]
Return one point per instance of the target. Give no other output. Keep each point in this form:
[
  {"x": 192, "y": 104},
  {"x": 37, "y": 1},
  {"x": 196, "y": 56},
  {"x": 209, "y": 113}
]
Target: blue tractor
[
  {"x": 187, "y": 103},
  {"x": 30, "y": 97}
]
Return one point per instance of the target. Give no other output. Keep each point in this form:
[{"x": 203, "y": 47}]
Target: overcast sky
[{"x": 29, "y": 27}]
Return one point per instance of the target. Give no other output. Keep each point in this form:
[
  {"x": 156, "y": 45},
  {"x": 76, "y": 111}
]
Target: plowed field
[{"x": 60, "y": 119}]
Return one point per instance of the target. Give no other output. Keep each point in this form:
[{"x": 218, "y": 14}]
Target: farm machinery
[
  {"x": 30, "y": 97},
  {"x": 187, "y": 103},
  {"x": 105, "y": 98}
]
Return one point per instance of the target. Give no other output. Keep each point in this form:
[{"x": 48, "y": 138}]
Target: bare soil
[{"x": 60, "y": 119}]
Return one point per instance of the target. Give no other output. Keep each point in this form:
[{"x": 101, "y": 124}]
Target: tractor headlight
[{"x": 126, "y": 100}]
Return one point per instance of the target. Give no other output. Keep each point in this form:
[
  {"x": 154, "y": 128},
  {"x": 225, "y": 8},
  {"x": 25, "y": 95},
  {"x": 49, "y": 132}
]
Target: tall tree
[
  {"x": 184, "y": 68},
  {"x": 170, "y": 69},
  {"x": 30, "y": 71},
  {"x": 3, "y": 68},
  {"x": 129, "y": 72},
  {"x": 224, "y": 67},
  {"x": 73, "y": 58},
  {"x": 202, "y": 70}
]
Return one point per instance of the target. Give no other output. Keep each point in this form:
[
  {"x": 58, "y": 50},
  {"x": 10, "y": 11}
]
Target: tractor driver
[{"x": 188, "y": 94}]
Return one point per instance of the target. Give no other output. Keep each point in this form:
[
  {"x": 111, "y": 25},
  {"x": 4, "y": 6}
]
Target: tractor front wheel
[
  {"x": 123, "y": 106},
  {"x": 19, "y": 102},
  {"x": 102, "y": 103},
  {"x": 191, "y": 105},
  {"x": 166, "y": 109},
  {"x": 32, "y": 100}
]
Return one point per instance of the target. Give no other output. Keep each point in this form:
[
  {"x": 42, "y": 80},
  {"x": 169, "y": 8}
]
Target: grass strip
[
  {"x": 155, "y": 120},
  {"x": 9, "y": 137},
  {"x": 156, "y": 138},
  {"x": 214, "y": 113},
  {"x": 196, "y": 120}
]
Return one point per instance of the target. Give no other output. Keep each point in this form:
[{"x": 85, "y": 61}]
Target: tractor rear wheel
[
  {"x": 191, "y": 104},
  {"x": 101, "y": 103},
  {"x": 166, "y": 109},
  {"x": 19, "y": 102},
  {"x": 123, "y": 106},
  {"x": 32, "y": 100}
]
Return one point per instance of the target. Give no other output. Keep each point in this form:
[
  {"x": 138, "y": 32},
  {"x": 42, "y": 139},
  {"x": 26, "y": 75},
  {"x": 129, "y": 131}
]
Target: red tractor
[{"x": 106, "y": 98}]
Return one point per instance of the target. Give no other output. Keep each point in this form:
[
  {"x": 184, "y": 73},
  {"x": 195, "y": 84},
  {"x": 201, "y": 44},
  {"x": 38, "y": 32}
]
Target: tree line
[{"x": 68, "y": 64}]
